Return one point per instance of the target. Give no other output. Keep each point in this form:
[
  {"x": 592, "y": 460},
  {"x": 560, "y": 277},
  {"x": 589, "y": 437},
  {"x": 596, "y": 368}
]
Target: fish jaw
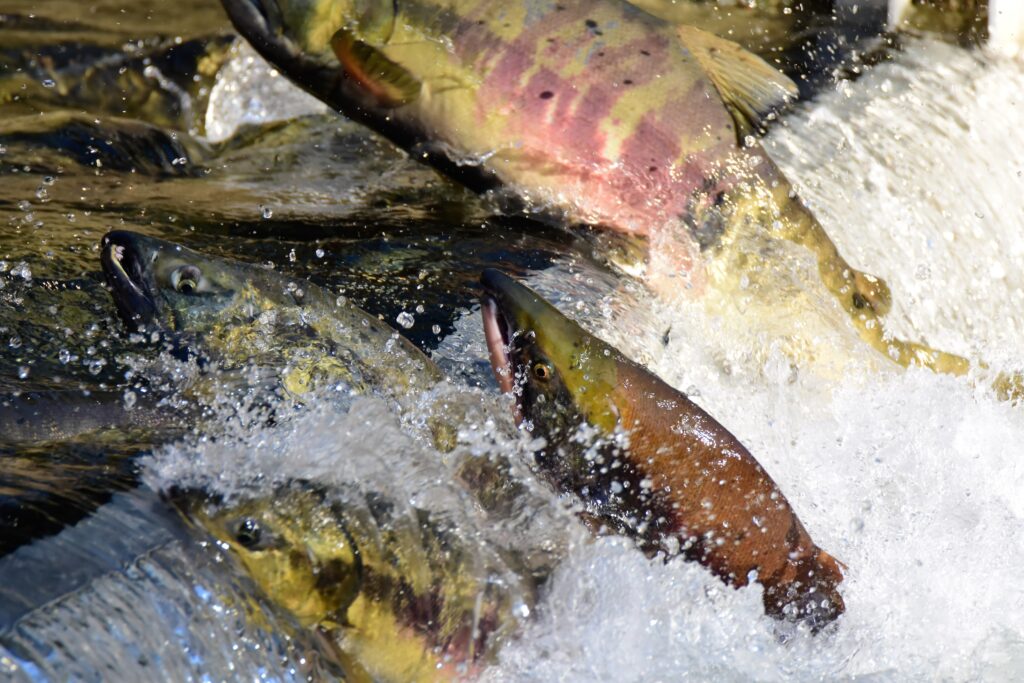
[
  {"x": 497, "y": 334},
  {"x": 123, "y": 256}
]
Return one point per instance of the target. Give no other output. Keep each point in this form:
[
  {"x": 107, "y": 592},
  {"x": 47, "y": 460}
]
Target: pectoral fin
[
  {"x": 750, "y": 87},
  {"x": 385, "y": 80}
]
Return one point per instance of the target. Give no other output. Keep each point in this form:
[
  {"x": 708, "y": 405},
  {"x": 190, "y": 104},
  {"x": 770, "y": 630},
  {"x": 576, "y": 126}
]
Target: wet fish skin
[
  {"x": 662, "y": 469},
  {"x": 592, "y": 112},
  {"x": 268, "y": 336},
  {"x": 246, "y": 319},
  {"x": 404, "y": 597}
]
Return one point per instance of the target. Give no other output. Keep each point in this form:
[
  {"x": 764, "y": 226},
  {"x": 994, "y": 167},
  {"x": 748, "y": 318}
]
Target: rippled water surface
[{"x": 155, "y": 118}]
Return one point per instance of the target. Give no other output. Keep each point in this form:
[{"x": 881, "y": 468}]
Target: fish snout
[{"x": 128, "y": 276}]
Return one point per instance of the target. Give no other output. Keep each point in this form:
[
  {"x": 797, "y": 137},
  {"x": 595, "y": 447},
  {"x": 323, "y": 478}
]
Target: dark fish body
[{"x": 254, "y": 325}]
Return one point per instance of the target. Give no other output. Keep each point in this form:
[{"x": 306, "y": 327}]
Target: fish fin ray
[
  {"x": 391, "y": 84},
  {"x": 750, "y": 87}
]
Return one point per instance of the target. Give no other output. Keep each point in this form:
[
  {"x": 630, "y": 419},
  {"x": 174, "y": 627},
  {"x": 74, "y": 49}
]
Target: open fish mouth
[
  {"x": 498, "y": 332},
  {"x": 128, "y": 277}
]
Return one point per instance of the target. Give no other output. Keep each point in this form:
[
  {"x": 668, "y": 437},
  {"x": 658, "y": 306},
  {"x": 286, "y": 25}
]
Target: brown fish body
[
  {"x": 718, "y": 501},
  {"x": 660, "y": 469}
]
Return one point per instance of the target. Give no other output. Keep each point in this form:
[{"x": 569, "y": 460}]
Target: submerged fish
[
  {"x": 258, "y": 326},
  {"x": 126, "y": 594},
  {"x": 405, "y": 597},
  {"x": 598, "y": 113},
  {"x": 663, "y": 471}
]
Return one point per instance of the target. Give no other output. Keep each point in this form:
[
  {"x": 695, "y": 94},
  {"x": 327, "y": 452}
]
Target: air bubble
[{"x": 405, "y": 319}]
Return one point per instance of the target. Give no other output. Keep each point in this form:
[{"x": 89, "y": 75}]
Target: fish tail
[
  {"x": 865, "y": 298},
  {"x": 806, "y": 591}
]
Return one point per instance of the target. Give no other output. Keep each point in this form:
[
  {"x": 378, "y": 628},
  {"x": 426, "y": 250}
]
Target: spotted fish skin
[
  {"x": 590, "y": 112},
  {"x": 594, "y": 110}
]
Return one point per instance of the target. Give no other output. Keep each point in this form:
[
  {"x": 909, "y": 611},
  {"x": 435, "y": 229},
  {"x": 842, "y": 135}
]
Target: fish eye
[
  {"x": 185, "y": 279},
  {"x": 249, "y": 533},
  {"x": 542, "y": 371}
]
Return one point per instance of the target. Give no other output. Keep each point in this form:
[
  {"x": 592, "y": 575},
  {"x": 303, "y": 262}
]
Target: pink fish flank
[{"x": 606, "y": 115}]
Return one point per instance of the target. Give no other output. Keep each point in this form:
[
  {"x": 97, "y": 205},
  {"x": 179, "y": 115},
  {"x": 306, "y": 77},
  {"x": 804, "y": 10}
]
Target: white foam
[{"x": 250, "y": 91}]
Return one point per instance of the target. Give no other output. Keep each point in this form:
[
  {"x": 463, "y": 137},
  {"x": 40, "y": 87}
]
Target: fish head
[
  {"x": 161, "y": 286},
  {"x": 559, "y": 374},
  {"x": 212, "y": 307},
  {"x": 293, "y": 544}
]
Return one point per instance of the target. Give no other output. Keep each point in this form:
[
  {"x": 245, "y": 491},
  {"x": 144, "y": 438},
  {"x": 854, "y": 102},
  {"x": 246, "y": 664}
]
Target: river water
[{"x": 913, "y": 480}]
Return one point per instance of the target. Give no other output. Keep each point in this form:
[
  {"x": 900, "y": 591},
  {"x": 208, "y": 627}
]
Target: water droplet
[
  {"x": 436, "y": 329},
  {"x": 406, "y": 319},
  {"x": 320, "y": 253},
  {"x": 420, "y": 309},
  {"x": 266, "y": 212},
  {"x": 23, "y": 372},
  {"x": 14, "y": 342},
  {"x": 130, "y": 399},
  {"x": 49, "y": 83},
  {"x": 291, "y": 254},
  {"x": 64, "y": 356}
]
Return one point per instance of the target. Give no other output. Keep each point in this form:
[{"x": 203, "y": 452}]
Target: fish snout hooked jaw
[
  {"x": 126, "y": 273},
  {"x": 496, "y": 332}
]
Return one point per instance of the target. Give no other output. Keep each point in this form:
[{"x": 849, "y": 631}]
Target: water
[{"x": 909, "y": 478}]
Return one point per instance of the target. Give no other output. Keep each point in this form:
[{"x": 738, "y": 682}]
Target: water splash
[
  {"x": 912, "y": 479},
  {"x": 250, "y": 91}
]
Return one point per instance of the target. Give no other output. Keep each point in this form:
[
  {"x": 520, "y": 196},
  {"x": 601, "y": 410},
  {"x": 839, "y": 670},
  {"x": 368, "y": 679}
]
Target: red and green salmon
[{"x": 596, "y": 113}]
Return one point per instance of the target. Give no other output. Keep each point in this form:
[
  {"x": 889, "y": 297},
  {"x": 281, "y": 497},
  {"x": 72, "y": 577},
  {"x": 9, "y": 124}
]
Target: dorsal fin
[
  {"x": 388, "y": 82},
  {"x": 750, "y": 87}
]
